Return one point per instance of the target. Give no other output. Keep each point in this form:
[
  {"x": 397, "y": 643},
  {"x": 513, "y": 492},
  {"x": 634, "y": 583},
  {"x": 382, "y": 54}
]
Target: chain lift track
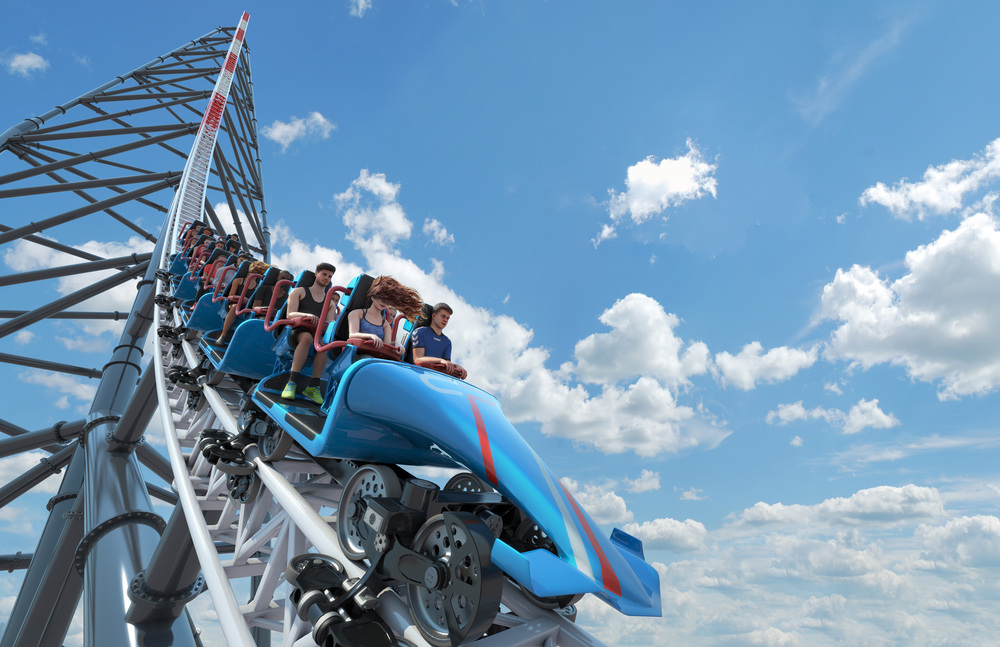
[{"x": 255, "y": 517}]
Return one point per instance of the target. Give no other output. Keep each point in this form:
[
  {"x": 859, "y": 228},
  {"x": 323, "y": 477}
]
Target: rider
[
  {"x": 432, "y": 346},
  {"x": 371, "y": 322},
  {"x": 307, "y": 303}
]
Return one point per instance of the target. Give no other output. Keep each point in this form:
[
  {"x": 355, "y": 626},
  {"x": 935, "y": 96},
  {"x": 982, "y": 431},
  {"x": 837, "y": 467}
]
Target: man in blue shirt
[{"x": 432, "y": 347}]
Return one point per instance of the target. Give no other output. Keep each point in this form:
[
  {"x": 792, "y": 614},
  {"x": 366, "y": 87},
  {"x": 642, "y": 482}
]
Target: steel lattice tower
[{"x": 101, "y": 166}]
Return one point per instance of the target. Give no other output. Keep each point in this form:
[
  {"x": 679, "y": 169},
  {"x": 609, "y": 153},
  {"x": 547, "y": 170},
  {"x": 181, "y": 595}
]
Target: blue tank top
[{"x": 368, "y": 327}]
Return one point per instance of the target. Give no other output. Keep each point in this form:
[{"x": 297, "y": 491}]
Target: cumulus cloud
[
  {"x": 942, "y": 189},
  {"x": 864, "y": 414},
  {"x": 751, "y": 365},
  {"x": 628, "y": 350},
  {"x": 647, "y": 481},
  {"x": 313, "y": 127},
  {"x": 938, "y": 321},
  {"x": 880, "y": 505},
  {"x": 23, "y": 337},
  {"x": 967, "y": 541},
  {"x": 80, "y": 389},
  {"x": 434, "y": 230},
  {"x": 625, "y": 412},
  {"x": 652, "y": 187},
  {"x": 669, "y": 534},
  {"x": 26, "y": 64}
]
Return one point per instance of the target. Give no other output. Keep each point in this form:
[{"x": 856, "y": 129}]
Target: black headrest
[
  {"x": 214, "y": 256},
  {"x": 306, "y": 279},
  {"x": 358, "y": 300}
]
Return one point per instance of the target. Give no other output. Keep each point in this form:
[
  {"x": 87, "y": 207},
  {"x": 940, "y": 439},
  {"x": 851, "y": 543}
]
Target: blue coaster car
[{"x": 385, "y": 411}]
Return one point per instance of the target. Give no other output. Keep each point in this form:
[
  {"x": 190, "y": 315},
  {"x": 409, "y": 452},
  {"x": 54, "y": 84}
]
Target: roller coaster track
[{"x": 234, "y": 532}]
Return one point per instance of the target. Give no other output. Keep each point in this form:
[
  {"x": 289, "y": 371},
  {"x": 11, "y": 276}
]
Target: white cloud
[
  {"x": 23, "y": 337},
  {"x": 942, "y": 189},
  {"x": 750, "y": 366},
  {"x": 437, "y": 232},
  {"x": 641, "y": 414},
  {"x": 359, "y": 7},
  {"x": 41, "y": 39},
  {"x": 600, "y": 502},
  {"x": 796, "y": 441},
  {"x": 879, "y": 505},
  {"x": 833, "y": 387},
  {"x": 864, "y": 414},
  {"x": 629, "y": 350},
  {"x": 692, "y": 494},
  {"x": 669, "y": 534},
  {"x": 648, "y": 481},
  {"x": 82, "y": 60},
  {"x": 788, "y": 413},
  {"x": 78, "y": 388},
  {"x": 313, "y": 127},
  {"x": 968, "y": 541},
  {"x": 25, "y": 64},
  {"x": 651, "y": 187},
  {"x": 938, "y": 321}
]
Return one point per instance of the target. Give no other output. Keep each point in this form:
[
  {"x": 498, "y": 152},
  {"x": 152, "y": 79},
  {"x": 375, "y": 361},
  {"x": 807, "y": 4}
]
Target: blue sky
[{"x": 730, "y": 268}]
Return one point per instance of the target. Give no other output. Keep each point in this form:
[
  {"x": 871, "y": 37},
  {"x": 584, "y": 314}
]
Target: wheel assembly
[
  {"x": 460, "y": 595},
  {"x": 368, "y": 480}
]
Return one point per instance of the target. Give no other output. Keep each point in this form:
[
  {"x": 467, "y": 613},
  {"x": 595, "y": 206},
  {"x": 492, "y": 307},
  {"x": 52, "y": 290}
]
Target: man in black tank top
[{"x": 308, "y": 304}]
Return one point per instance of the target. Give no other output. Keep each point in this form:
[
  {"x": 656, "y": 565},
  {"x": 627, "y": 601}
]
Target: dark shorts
[{"x": 293, "y": 337}]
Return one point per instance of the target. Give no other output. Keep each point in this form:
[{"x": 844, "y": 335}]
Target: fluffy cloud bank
[
  {"x": 863, "y": 415},
  {"x": 25, "y": 65},
  {"x": 938, "y": 321},
  {"x": 942, "y": 189}
]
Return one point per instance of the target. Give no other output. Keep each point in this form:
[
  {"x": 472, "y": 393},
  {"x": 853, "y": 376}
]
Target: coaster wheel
[
  {"x": 368, "y": 480},
  {"x": 465, "y": 599}
]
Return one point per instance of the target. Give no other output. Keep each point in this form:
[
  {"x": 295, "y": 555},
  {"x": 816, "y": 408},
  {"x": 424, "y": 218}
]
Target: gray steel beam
[
  {"x": 163, "y": 494},
  {"x": 70, "y": 314},
  {"x": 16, "y": 562},
  {"x": 101, "y": 98},
  {"x": 29, "y": 155},
  {"x": 51, "y": 244},
  {"x": 131, "y": 112},
  {"x": 28, "y": 441},
  {"x": 33, "y": 123},
  {"x": 171, "y": 579},
  {"x": 36, "y": 136},
  {"x": 51, "y": 588},
  {"x": 106, "y": 152},
  {"x": 58, "y": 305},
  {"x": 122, "y": 262},
  {"x": 20, "y": 360},
  {"x": 101, "y": 205},
  {"x": 136, "y": 416},
  {"x": 86, "y": 184},
  {"x": 46, "y": 467},
  {"x": 155, "y": 461}
]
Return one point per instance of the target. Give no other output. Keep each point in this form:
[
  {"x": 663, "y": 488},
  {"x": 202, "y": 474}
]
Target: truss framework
[{"x": 109, "y": 162}]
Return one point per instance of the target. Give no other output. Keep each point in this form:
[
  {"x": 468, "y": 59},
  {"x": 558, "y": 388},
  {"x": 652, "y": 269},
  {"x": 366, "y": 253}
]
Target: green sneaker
[
  {"x": 289, "y": 392},
  {"x": 313, "y": 394}
]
